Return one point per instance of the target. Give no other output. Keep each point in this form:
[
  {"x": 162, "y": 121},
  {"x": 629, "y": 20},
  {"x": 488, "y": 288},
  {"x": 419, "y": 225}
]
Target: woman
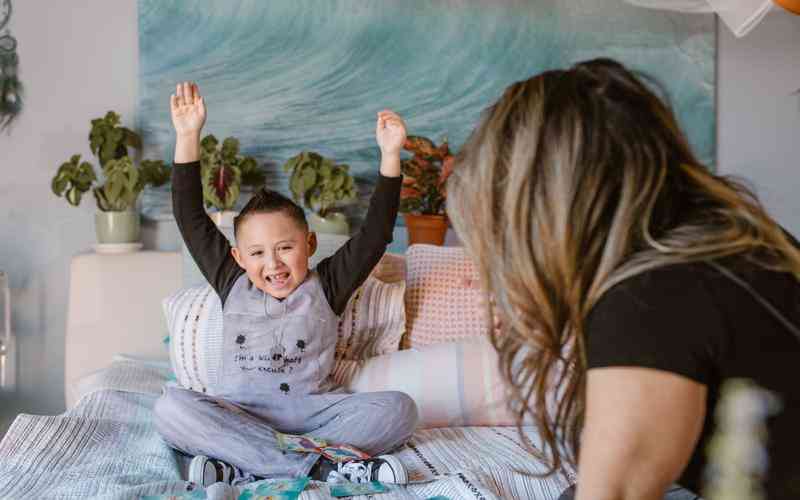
[{"x": 629, "y": 279}]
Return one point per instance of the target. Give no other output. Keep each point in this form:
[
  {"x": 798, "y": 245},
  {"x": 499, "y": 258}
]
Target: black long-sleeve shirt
[{"x": 340, "y": 274}]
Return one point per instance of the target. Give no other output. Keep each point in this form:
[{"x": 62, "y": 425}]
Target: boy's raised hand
[
  {"x": 390, "y": 132},
  {"x": 188, "y": 109}
]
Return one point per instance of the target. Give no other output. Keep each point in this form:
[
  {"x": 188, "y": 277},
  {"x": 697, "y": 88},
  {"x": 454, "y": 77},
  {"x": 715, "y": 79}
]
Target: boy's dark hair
[{"x": 266, "y": 201}]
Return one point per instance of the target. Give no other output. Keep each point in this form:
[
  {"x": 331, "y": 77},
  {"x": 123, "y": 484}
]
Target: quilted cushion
[{"x": 443, "y": 300}]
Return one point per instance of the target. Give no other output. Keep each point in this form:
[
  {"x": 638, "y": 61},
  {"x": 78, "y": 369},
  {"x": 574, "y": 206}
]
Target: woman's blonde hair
[{"x": 572, "y": 182}]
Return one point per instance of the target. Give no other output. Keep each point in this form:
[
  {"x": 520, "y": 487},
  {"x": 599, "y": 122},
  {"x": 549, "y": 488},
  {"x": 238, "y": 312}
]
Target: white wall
[
  {"x": 759, "y": 117},
  {"x": 79, "y": 59}
]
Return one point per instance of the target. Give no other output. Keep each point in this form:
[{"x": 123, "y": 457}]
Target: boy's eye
[
  {"x": 281, "y": 249},
  {"x": 257, "y": 252}
]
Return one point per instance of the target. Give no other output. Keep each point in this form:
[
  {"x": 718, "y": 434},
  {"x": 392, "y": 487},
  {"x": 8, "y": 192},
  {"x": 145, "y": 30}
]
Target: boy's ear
[
  {"x": 312, "y": 243},
  {"x": 237, "y": 256}
]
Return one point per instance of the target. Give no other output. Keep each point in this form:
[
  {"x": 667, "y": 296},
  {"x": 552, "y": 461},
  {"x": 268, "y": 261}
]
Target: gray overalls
[{"x": 274, "y": 375}]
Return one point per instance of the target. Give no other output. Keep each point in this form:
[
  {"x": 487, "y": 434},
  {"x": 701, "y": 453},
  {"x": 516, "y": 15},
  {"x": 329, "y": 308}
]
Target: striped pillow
[
  {"x": 453, "y": 384},
  {"x": 372, "y": 323},
  {"x": 194, "y": 319}
]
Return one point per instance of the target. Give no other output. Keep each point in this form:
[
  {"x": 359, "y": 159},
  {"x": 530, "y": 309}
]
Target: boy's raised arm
[
  {"x": 207, "y": 245},
  {"x": 346, "y": 270}
]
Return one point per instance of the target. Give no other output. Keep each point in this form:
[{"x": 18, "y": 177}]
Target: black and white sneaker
[
  {"x": 206, "y": 471},
  {"x": 384, "y": 468}
]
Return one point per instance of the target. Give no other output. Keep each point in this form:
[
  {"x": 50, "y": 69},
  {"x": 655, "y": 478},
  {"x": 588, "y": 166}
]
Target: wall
[
  {"x": 79, "y": 59},
  {"x": 759, "y": 117}
]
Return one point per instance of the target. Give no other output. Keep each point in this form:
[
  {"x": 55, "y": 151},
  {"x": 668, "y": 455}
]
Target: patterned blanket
[{"x": 107, "y": 448}]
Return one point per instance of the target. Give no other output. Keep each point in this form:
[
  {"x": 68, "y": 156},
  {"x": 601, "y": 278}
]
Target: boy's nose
[{"x": 273, "y": 262}]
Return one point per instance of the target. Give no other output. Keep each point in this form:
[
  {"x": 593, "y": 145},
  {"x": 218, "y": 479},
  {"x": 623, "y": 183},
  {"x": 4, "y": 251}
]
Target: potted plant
[
  {"x": 116, "y": 221},
  {"x": 321, "y": 186},
  {"x": 423, "y": 195},
  {"x": 224, "y": 171}
]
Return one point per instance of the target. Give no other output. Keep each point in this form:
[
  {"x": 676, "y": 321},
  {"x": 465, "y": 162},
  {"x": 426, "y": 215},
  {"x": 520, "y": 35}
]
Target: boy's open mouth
[{"x": 279, "y": 279}]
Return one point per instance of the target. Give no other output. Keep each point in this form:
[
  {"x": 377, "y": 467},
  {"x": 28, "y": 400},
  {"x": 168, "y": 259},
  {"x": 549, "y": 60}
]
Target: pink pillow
[{"x": 443, "y": 300}]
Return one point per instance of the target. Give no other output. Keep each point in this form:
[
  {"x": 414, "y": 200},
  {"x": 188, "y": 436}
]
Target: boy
[{"x": 279, "y": 329}]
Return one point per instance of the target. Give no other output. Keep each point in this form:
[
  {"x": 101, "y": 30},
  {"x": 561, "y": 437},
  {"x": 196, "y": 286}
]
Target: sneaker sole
[
  {"x": 197, "y": 470},
  {"x": 401, "y": 476}
]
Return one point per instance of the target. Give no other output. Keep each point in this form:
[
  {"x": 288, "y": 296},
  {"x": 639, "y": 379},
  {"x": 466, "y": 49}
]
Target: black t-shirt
[{"x": 691, "y": 320}]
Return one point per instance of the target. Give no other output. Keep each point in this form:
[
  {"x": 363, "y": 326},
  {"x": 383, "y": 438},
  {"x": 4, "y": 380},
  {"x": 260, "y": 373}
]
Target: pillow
[
  {"x": 194, "y": 320},
  {"x": 443, "y": 300},
  {"x": 453, "y": 384},
  {"x": 391, "y": 268},
  {"x": 372, "y": 323}
]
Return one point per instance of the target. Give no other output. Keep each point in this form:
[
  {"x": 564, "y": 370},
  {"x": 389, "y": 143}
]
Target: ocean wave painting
[{"x": 286, "y": 76}]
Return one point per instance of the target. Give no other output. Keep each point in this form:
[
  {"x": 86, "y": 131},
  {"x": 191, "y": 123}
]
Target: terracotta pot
[
  {"x": 790, "y": 5},
  {"x": 428, "y": 229}
]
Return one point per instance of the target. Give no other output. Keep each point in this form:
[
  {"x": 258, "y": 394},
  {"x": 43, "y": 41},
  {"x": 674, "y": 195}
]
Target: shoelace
[{"x": 357, "y": 472}]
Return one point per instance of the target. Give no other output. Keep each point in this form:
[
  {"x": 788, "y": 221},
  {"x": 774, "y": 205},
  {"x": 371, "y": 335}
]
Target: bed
[{"x": 105, "y": 445}]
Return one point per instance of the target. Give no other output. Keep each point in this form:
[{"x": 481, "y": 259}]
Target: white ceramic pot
[
  {"x": 223, "y": 218},
  {"x": 334, "y": 223}
]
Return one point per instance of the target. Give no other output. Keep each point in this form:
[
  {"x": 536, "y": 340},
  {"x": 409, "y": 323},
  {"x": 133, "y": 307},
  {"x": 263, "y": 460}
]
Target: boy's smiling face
[{"x": 274, "y": 249}]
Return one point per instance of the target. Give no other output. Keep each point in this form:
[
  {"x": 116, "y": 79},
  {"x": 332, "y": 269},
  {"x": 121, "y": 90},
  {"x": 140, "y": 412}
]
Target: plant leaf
[{"x": 74, "y": 196}]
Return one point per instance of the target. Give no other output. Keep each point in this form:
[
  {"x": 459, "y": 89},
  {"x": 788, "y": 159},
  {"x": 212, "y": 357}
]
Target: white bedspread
[{"x": 106, "y": 447}]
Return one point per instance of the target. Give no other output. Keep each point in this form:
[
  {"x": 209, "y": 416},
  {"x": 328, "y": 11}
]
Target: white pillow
[
  {"x": 454, "y": 383},
  {"x": 372, "y": 323},
  {"x": 194, "y": 319}
]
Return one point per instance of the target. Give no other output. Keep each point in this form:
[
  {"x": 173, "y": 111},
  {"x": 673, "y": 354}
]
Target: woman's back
[{"x": 692, "y": 320}]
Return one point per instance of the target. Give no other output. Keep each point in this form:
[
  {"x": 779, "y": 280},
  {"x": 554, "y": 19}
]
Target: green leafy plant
[
  {"x": 73, "y": 179},
  {"x": 224, "y": 171},
  {"x": 120, "y": 189},
  {"x": 109, "y": 141},
  {"x": 424, "y": 176},
  {"x": 123, "y": 180},
  {"x": 319, "y": 183}
]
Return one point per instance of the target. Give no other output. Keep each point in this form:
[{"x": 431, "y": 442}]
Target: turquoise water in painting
[{"x": 285, "y": 76}]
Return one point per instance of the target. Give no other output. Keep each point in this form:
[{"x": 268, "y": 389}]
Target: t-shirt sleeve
[
  {"x": 207, "y": 245},
  {"x": 344, "y": 271},
  {"x": 663, "y": 319}
]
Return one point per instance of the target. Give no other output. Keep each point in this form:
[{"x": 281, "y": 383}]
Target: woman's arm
[{"x": 640, "y": 429}]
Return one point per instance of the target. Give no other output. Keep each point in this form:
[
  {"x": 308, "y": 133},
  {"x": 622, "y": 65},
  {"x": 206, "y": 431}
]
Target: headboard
[{"x": 115, "y": 308}]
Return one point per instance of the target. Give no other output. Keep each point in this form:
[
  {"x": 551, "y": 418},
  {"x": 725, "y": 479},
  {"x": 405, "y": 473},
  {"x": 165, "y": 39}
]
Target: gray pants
[{"x": 244, "y": 435}]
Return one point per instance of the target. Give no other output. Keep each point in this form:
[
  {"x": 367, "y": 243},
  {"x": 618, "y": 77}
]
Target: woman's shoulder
[
  {"x": 686, "y": 308},
  {"x": 696, "y": 284},
  {"x": 673, "y": 284}
]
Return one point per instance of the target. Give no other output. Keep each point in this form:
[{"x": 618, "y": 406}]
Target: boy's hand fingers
[
  {"x": 394, "y": 123},
  {"x": 389, "y": 113},
  {"x": 182, "y": 94},
  {"x": 173, "y": 101}
]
